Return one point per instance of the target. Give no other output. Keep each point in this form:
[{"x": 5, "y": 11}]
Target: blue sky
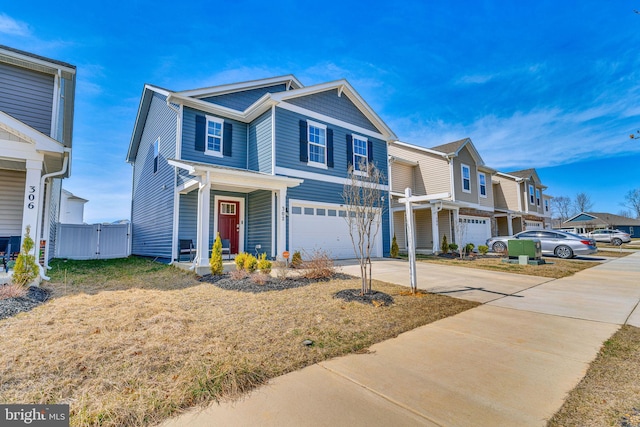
[{"x": 545, "y": 84}]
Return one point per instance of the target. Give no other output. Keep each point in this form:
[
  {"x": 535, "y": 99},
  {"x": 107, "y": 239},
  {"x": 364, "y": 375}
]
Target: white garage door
[
  {"x": 477, "y": 229},
  {"x": 533, "y": 225},
  {"x": 323, "y": 227}
]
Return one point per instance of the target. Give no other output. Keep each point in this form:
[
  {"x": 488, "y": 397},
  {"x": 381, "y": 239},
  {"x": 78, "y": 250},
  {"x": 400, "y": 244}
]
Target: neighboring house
[
  {"x": 461, "y": 183},
  {"x": 263, "y": 163},
  {"x": 585, "y": 222},
  {"x": 520, "y": 202},
  {"x": 71, "y": 208},
  {"x": 36, "y": 122}
]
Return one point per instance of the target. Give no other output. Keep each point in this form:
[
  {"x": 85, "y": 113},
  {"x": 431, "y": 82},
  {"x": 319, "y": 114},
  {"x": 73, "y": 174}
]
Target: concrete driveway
[{"x": 508, "y": 362}]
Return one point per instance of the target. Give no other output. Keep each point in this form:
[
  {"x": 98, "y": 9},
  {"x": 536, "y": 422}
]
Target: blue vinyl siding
[
  {"x": 288, "y": 146},
  {"x": 583, "y": 217},
  {"x": 27, "y": 95},
  {"x": 319, "y": 191},
  {"x": 259, "y": 221},
  {"x": 260, "y": 147},
  {"x": 238, "y": 158},
  {"x": 152, "y": 200},
  {"x": 242, "y": 100},
  {"x": 332, "y": 105}
]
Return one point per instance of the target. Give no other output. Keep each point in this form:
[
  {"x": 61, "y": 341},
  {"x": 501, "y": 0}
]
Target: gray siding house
[
  {"x": 36, "y": 123},
  {"x": 263, "y": 163}
]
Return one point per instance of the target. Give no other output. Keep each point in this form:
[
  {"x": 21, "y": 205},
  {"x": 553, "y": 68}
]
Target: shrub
[
  {"x": 264, "y": 264},
  {"x": 483, "y": 249},
  {"x": 260, "y": 278},
  {"x": 216, "y": 257},
  {"x": 468, "y": 248},
  {"x": 281, "y": 269},
  {"x": 319, "y": 265},
  {"x": 11, "y": 291},
  {"x": 296, "y": 260},
  {"x": 445, "y": 245},
  {"x": 453, "y": 247},
  {"x": 250, "y": 263},
  {"x": 240, "y": 258},
  {"x": 239, "y": 274},
  {"x": 26, "y": 268},
  {"x": 394, "y": 247}
]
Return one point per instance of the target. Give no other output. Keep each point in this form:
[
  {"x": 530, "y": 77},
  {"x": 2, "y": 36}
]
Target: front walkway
[{"x": 509, "y": 362}]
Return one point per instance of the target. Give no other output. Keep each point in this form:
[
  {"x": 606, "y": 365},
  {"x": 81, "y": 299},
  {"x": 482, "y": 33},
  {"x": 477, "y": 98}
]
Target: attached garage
[
  {"x": 477, "y": 229},
  {"x": 323, "y": 227},
  {"x": 533, "y": 225}
]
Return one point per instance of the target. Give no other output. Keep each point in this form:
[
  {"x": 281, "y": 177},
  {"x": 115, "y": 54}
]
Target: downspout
[
  {"x": 176, "y": 197},
  {"x": 451, "y": 181},
  {"x": 43, "y": 178}
]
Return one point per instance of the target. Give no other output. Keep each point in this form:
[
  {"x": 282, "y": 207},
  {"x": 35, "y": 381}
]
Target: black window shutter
[
  {"x": 201, "y": 123},
  {"x": 304, "y": 151},
  {"x": 330, "y": 148},
  {"x": 226, "y": 139},
  {"x": 349, "y": 150},
  {"x": 369, "y": 150}
]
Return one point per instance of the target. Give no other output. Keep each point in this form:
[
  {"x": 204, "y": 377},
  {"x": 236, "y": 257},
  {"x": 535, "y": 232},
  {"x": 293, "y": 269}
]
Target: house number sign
[{"x": 31, "y": 196}]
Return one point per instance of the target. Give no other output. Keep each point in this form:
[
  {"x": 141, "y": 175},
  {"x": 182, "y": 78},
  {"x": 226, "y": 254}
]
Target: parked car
[
  {"x": 614, "y": 237},
  {"x": 553, "y": 242}
]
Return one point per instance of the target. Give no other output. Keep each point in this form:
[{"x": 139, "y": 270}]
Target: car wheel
[
  {"x": 616, "y": 242},
  {"x": 564, "y": 252},
  {"x": 499, "y": 247}
]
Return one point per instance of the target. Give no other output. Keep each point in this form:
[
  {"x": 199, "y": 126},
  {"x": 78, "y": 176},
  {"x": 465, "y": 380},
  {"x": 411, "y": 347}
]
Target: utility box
[{"x": 531, "y": 248}]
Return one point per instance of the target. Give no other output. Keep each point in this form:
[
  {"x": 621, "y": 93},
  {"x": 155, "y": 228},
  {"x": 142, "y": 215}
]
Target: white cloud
[{"x": 8, "y": 25}]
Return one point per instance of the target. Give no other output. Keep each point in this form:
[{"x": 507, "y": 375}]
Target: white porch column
[
  {"x": 411, "y": 239},
  {"x": 32, "y": 199},
  {"x": 456, "y": 220},
  {"x": 435, "y": 229},
  {"x": 204, "y": 209},
  {"x": 282, "y": 223},
  {"x": 510, "y": 224}
]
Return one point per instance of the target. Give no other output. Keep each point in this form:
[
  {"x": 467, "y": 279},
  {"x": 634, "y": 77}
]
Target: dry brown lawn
[
  {"x": 132, "y": 342},
  {"x": 555, "y": 267},
  {"x": 611, "y": 389}
]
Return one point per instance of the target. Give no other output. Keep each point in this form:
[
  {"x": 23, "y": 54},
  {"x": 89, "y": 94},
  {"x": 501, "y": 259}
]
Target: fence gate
[{"x": 93, "y": 241}]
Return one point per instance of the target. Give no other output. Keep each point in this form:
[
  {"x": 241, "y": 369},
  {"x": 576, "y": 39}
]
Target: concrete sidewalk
[{"x": 509, "y": 362}]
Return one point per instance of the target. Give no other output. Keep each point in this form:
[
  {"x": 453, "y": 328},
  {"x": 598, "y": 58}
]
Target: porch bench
[
  {"x": 9, "y": 249},
  {"x": 186, "y": 247}
]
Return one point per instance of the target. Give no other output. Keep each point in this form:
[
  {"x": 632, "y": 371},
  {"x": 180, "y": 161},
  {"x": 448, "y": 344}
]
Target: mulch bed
[
  {"x": 471, "y": 257},
  {"x": 225, "y": 281},
  {"x": 12, "y": 306},
  {"x": 380, "y": 298}
]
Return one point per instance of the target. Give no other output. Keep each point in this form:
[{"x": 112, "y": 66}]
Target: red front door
[{"x": 229, "y": 223}]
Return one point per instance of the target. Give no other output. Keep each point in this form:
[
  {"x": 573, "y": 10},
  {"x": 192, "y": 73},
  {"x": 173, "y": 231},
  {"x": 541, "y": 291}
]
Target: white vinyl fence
[{"x": 93, "y": 241}]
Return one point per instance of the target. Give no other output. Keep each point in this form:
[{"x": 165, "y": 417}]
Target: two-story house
[
  {"x": 520, "y": 202},
  {"x": 36, "y": 123},
  {"x": 263, "y": 163},
  {"x": 457, "y": 186}
]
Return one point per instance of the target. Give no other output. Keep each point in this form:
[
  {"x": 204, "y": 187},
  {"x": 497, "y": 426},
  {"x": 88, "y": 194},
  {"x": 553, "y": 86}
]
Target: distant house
[
  {"x": 36, "y": 123},
  {"x": 71, "y": 208},
  {"x": 589, "y": 221}
]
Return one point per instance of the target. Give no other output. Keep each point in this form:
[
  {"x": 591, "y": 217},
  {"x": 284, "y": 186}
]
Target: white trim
[
  {"x": 39, "y": 61},
  {"x": 274, "y": 222},
  {"x": 273, "y": 140},
  {"x": 208, "y": 151},
  {"x": 480, "y": 185},
  {"x": 56, "y": 104},
  {"x": 179, "y": 118},
  {"x": 288, "y": 79},
  {"x": 530, "y": 195},
  {"x": 355, "y": 136},
  {"x": 313, "y": 163},
  {"x": 218, "y": 198},
  {"x": 294, "y": 108},
  {"x": 416, "y": 147},
  {"x": 462, "y": 166},
  {"x": 27, "y": 133},
  {"x": 317, "y": 176}
]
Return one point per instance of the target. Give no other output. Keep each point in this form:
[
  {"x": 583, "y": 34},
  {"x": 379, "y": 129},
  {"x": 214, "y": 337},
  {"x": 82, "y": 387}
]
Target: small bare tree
[
  {"x": 632, "y": 201},
  {"x": 562, "y": 208},
  {"x": 364, "y": 201},
  {"x": 460, "y": 228},
  {"x": 583, "y": 202}
]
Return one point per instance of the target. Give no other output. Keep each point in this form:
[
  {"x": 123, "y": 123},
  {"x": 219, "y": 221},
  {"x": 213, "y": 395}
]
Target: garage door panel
[
  {"x": 323, "y": 228},
  {"x": 477, "y": 229}
]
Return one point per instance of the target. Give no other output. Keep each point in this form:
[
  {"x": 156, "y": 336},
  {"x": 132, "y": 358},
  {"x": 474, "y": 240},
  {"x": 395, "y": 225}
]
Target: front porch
[{"x": 430, "y": 220}]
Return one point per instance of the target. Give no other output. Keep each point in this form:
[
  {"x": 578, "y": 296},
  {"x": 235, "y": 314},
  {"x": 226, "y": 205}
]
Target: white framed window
[
  {"x": 465, "y": 170},
  {"x": 317, "y": 137},
  {"x": 360, "y": 154},
  {"x": 156, "y": 154},
  {"x": 538, "y": 196},
  {"x": 482, "y": 183},
  {"x": 531, "y": 195},
  {"x": 227, "y": 208},
  {"x": 546, "y": 205},
  {"x": 214, "y": 138}
]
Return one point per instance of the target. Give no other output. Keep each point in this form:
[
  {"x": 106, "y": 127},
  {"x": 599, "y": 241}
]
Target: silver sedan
[
  {"x": 615, "y": 237},
  {"x": 558, "y": 243}
]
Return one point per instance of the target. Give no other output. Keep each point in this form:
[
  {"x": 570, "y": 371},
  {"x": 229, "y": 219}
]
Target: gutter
[{"x": 43, "y": 178}]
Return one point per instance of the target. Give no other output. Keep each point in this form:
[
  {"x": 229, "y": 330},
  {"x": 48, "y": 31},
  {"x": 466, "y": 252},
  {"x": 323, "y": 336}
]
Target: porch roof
[{"x": 239, "y": 179}]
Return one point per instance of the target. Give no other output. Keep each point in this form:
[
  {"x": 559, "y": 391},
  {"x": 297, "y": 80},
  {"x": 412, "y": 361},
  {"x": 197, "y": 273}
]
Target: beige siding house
[{"x": 461, "y": 187}]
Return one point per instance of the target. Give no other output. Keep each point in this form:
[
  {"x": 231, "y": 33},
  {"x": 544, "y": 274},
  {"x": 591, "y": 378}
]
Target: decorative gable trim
[{"x": 290, "y": 80}]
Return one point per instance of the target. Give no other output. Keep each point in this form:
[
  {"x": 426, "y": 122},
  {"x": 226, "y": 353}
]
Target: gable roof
[
  {"x": 604, "y": 218},
  {"x": 290, "y": 80},
  {"x": 452, "y": 149}
]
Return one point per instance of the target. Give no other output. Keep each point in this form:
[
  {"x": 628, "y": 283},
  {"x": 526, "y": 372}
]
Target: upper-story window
[
  {"x": 360, "y": 155},
  {"x": 546, "y": 205},
  {"x": 531, "y": 195},
  {"x": 214, "y": 136},
  {"x": 317, "y": 137},
  {"x": 482, "y": 182},
  {"x": 466, "y": 178},
  {"x": 156, "y": 154},
  {"x": 537, "y": 196}
]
